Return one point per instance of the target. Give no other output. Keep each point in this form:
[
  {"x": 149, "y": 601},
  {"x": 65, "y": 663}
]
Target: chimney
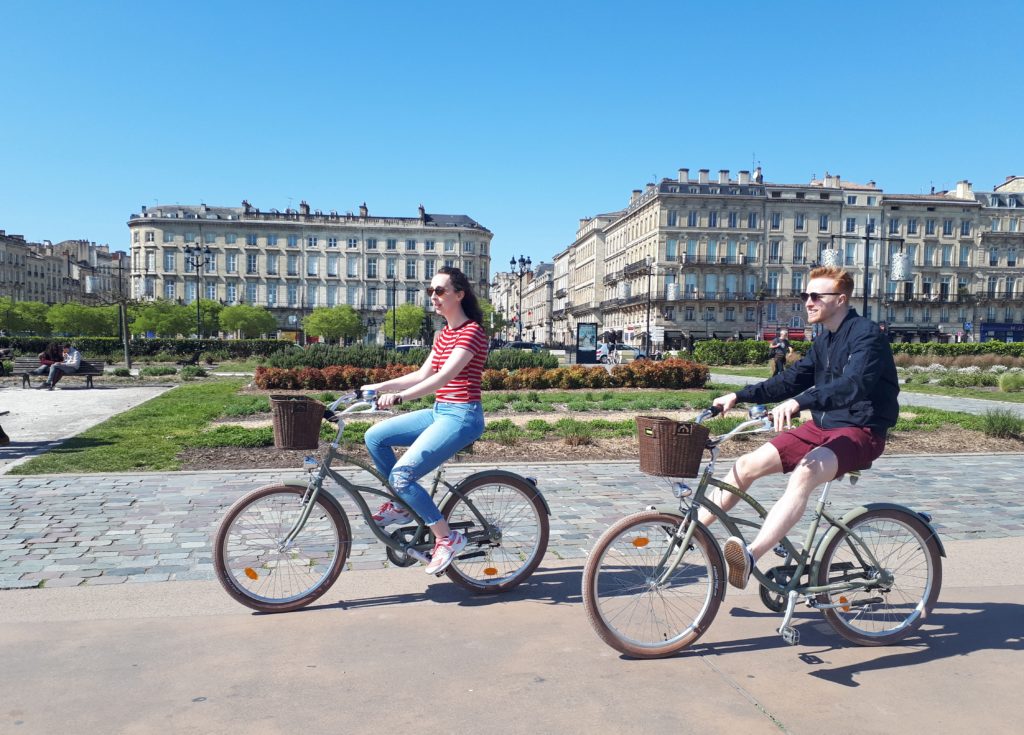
[
  {"x": 304, "y": 207},
  {"x": 363, "y": 211},
  {"x": 723, "y": 176},
  {"x": 143, "y": 208},
  {"x": 744, "y": 177},
  {"x": 246, "y": 207},
  {"x": 964, "y": 190},
  {"x": 423, "y": 214},
  {"x": 758, "y": 176},
  {"x": 702, "y": 175},
  {"x": 650, "y": 187},
  {"x": 684, "y": 175},
  {"x": 634, "y": 196}
]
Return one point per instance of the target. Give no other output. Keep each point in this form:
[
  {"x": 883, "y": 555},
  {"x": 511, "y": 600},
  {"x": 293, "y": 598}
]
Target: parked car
[
  {"x": 620, "y": 353},
  {"x": 531, "y": 346}
]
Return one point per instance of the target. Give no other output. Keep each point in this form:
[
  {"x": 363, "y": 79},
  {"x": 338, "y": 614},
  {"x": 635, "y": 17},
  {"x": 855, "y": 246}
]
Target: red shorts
[{"x": 856, "y": 447}]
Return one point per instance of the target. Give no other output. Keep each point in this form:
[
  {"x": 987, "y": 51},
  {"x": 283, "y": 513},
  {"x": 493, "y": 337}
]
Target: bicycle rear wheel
[
  {"x": 908, "y": 582},
  {"x": 630, "y": 602},
  {"x": 258, "y": 570},
  {"x": 502, "y": 559}
]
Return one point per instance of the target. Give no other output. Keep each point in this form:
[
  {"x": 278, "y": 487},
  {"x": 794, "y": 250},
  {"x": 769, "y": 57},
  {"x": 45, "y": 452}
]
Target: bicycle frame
[{"x": 319, "y": 471}]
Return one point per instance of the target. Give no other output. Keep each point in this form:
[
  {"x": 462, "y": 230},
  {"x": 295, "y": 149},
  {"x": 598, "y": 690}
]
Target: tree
[
  {"x": 163, "y": 318},
  {"x": 334, "y": 323},
  {"x": 209, "y": 311},
  {"x": 249, "y": 321},
  {"x": 494, "y": 323},
  {"x": 410, "y": 319},
  {"x": 30, "y": 316},
  {"x": 85, "y": 321}
]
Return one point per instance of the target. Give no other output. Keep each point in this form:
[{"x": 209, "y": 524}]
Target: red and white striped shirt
[{"x": 464, "y": 387}]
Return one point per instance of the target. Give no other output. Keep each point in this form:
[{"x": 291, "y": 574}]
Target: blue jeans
[{"x": 433, "y": 436}]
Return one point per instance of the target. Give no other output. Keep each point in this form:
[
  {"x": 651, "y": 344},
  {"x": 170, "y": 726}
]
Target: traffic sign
[{"x": 968, "y": 326}]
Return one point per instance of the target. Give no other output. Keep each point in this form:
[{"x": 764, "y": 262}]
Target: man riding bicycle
[{"x": 848, "y": 382}]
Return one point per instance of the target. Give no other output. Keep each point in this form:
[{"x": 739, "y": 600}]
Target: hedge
[
  {"x": 111, "y": 347},
  {"x": 748, "y": 352},
  {"x": 671, "y": 373},
  {"x": 373, "y": 356}
]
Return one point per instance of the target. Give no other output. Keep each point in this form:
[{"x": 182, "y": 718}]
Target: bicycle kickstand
[{"x": 789, "y": 634}]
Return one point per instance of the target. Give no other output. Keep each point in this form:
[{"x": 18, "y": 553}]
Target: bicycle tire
[
  {"x": 625, "y": 604},
  {"x": 878, "y": 616},
  {"x": 253, "y": 568},
  {"x": 513, "y": 506}
]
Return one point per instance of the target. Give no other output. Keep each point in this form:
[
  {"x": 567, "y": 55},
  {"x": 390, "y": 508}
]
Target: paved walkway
[{"x": 87, "y": 530}]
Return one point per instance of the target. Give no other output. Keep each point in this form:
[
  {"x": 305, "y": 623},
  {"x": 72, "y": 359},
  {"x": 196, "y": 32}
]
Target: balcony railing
[{"x": 687, "y": 259}]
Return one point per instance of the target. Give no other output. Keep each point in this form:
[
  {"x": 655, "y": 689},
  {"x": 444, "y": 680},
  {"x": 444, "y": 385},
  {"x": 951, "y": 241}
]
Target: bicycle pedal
[
  {"x": 790, "y": 635},
  {"x": 780, "y": 551}
]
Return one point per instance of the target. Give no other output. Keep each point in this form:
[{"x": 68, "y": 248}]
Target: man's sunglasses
[
  {"x": 815, "y": 296},
  {"x": 436, "y": 291}
]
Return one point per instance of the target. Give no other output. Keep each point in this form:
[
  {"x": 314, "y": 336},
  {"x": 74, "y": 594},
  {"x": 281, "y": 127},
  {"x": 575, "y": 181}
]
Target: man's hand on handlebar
[{"x": 724, "y": 403}]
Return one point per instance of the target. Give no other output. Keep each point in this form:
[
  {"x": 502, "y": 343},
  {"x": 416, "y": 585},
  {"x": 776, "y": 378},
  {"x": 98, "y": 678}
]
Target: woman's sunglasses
[
  {"x": 815, "y": 296},
  {"x": 436, "y": 291}
]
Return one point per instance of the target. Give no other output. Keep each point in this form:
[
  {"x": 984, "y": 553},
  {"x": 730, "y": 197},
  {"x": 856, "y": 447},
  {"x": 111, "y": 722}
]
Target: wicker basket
[
  {"x": 296, "y": 421},
  {"x": 670, "y": 448}
]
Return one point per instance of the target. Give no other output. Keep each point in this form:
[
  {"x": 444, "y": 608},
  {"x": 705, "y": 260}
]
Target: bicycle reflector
[
  {"x": 845, "y": 603},
  {"x": 490, "y": 571},
  {"x": 641, "y": 541},
  {"x": 251, "y": 573}
]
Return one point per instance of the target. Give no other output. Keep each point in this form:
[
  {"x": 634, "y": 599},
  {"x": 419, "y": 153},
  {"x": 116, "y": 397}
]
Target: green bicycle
[
  {"x": 282, "y": 546},
  {"x": 655, "y": 579}
]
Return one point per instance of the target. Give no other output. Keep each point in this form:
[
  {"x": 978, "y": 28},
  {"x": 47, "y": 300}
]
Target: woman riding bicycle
[{"x": 433, "y": 435}]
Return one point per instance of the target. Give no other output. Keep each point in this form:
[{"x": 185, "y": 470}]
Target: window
[
  {"x": 390, "y": 243},
  {"x": 170, "y": 293},
  {"x": 149, "y": 236},
  {"x": 688, "y": 314},
  {"x": 851, "y": 200},
  {"x": 353, "y": 242},
  {"x": 752, "y": 251},
  {"x": 410, "y": 245},
  {"x": 352, "y": 266},
  {"x": 800, "y": 223},
  {"x": 993, "y": 257},
  {"x": 293, "y": 294},
  {"x": 851, "y": 224},
  {"x": 749, "y": 314},
  {"x": 798, "y": 281},
  {"x": 311, "y": 294},
  {"x": 272, "y": 264},
  {"x": 712, "y": 219},
  {"x": 410, "y": 295},
  {"x": 671, "y": 218},
  {"x": 449, "y": 246},
  {"x": 252, "y": 263},
  {"x": 798, "y": 251},
  {"x": 410, "y": 270},
  {"x": 871, "y": 225},
  {"x": 431, "y": 265},
  {"x": 774, "y": 249},
  {"x": 823, "y": 223},
  {"x": 965, "y": 256},
  {"x": 428, "y": 244},
  {"x": 231, "y": 263},
  {"x": 332, "y": 295},
  {"x": 872, "y": 201},
  {"x": 211, "y": 263},
  {"x": 293, "y": 265},
  {"x": 168, "y": 236},
  {"x": 947, "y": 255},
  {"x": 947, "y": 227},
  {"x": 231, "y": 238},
  {"x": 371, "y": 267},
  {"x": 894, "y": 226},
  {"x": 371, "y": 296},
  {"x": 1011, "y": 258},
  {"x": 232, "y": 293},
  {"x": 469, "y": 269},
  {"x": 170, "y": 258},
  {"x": 250, "y": 240},
  {"x": 929, "y": 255},
  {"x": 911, "y": 226},
  {"x": 468, "y": 247},
  {"x": 293, "y": 241},
  {"x": 272, "y": 293},
  {"x": 712, "y": 251},
  {"x": 251, "y": 293},
  {"x": 691, "y": 219},
  {"x": 965, "y": 228},
  {"x": 929, "y": 227},
  {"x": 671, "y": 248},
  {"x": 1012, "y": 225},
  {"x": 776, "y": 221},
  {"x": 312, "y": 265},
  {"x": 135, "y": 236},
  {"x": 332, "y": 266},
  {"x": 271, "y": 241},
  {"x": 732, "y": 219},
  {"x": 210, "y": 238},
  {"x": 730, "y": 313},
  {"x": 332, "y": 242},
  {"x": 752, "y": 220},
  {"x": 389, "y": 267}
]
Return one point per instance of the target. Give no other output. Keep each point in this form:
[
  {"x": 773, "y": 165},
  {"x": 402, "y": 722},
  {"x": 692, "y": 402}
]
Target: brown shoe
[
  {"x": 739, "y": 561},
  {"x": 4, "y": 439}
]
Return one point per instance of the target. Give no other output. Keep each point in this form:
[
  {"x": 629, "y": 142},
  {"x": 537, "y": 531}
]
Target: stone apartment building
[
  {"x": 294, "y": 261},
  {"x": 704, "y": 256}
]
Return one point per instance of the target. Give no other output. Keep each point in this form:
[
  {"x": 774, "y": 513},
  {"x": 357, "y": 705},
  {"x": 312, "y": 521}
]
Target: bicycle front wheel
[
  {"x": 632, "y": 601},
  {"x": 502, "y": 557},
  {"x": 261, "y": 571},
  {"x": 907, "y": 583}
]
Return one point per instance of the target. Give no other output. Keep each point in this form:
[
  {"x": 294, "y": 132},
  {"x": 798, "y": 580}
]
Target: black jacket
[{"x": 847, "y": 379}]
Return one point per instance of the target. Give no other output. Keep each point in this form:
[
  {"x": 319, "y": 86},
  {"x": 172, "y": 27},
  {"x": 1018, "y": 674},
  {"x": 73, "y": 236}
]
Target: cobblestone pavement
[{"x": 68, "y": 530}]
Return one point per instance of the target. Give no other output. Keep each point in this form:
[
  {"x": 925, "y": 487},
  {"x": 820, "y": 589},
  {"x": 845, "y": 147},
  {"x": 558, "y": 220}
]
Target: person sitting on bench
[{"x": 71, "y": 363}]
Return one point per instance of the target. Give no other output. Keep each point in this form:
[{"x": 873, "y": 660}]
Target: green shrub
[
  {"x": 1002, "y": 423},
  {"x": 157, "y": 370},
  {"x": 516, "y": 359},
  {"x": 121, "y": 372},
  {"x": 1011, "y": 382},
  {"x": 191, "y": 372}
]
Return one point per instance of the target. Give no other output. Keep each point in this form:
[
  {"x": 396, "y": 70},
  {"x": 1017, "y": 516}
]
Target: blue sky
[{"x": 526, "y": 116}]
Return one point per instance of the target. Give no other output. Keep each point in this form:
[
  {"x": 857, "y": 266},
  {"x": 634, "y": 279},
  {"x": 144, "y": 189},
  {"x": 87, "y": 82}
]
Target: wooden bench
[{"x": 24, "y": 366}]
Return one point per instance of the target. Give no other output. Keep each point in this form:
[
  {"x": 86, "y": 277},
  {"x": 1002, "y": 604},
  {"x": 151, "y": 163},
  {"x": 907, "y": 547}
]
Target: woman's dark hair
[
  {"x": 469, "y": 303},
  {"x": 54, "y": 351}
]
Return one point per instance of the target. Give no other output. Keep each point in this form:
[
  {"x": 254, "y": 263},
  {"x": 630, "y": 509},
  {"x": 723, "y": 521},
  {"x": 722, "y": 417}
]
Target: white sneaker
[
  {"x": 444, "y": 552},
  {"x": 390, "y": 513}
]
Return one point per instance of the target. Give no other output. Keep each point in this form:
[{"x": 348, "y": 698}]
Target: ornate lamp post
[
  {"x": 197, "y": 258},
  {"x": 519, "y": 269}
]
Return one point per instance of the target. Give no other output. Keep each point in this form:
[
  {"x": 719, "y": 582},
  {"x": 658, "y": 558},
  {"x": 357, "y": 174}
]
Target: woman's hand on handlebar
[{"x": 387, "y": 400}]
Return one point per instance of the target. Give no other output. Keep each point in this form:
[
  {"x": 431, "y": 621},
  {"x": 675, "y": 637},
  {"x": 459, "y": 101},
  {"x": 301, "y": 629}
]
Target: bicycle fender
[
  {"x": 672, "y": 510},
  {"x": 860, "y": 510},
  {"x": 509, "y": 475}
]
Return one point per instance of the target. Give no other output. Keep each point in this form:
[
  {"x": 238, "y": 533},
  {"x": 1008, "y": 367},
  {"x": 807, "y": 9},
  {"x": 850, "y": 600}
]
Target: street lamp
[
  {"x": 197, "y": 258},
  {"x": 519, "y": 269},
  {"x": 647, "y": 336},
  {"x": 394, "y": 308},
  {"x": 867, "y": 238}
]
